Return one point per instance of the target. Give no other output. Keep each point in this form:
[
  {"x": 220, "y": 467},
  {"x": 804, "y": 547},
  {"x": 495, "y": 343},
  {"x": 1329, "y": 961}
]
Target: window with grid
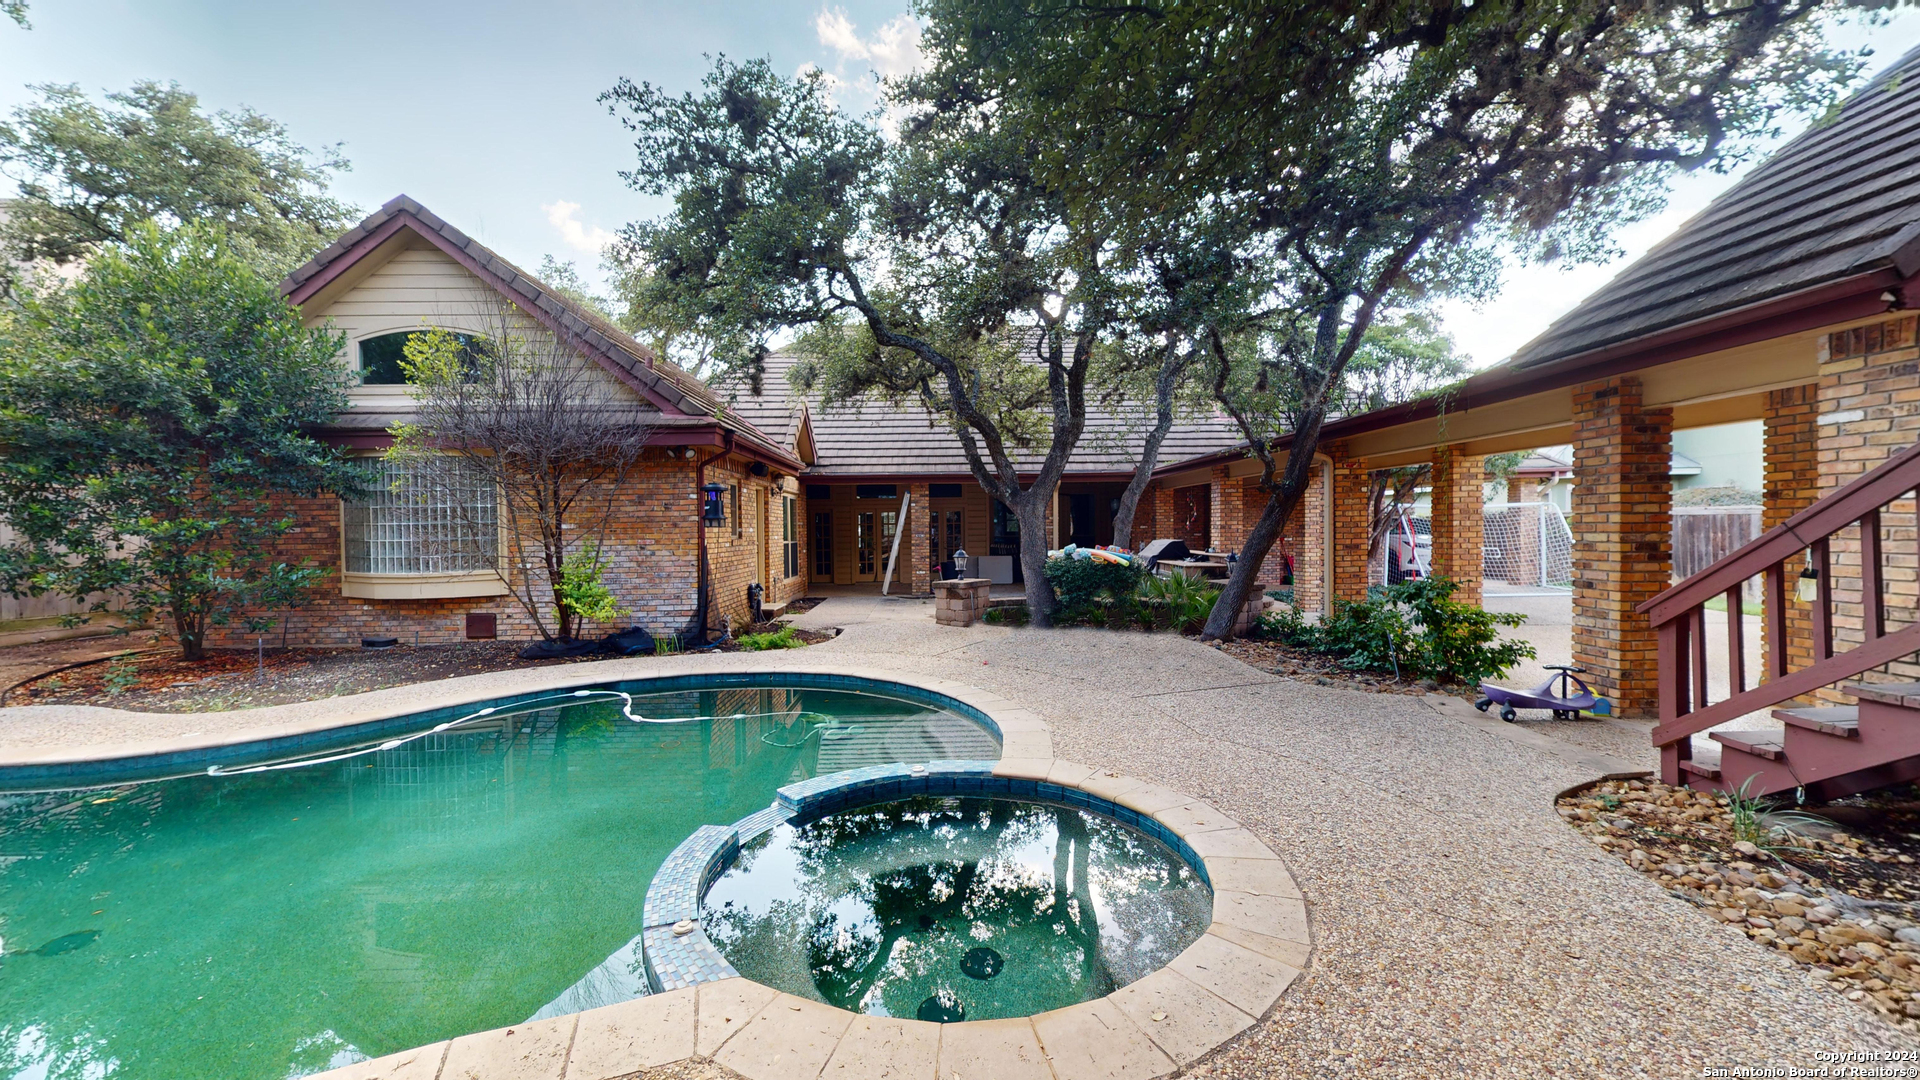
[
  {"x": 401, "y": 525},
  {"x": 789, "y": 537}
]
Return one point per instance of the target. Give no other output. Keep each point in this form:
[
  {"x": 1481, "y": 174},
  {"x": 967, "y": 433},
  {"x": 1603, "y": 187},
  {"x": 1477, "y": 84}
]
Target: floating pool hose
[{"x": 518, "y": 707}]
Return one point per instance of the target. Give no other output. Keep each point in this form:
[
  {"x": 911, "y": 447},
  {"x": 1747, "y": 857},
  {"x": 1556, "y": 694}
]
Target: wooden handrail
[
  {"x": 1679, "y": 615},
  {"x": 1895, "y": 477}
]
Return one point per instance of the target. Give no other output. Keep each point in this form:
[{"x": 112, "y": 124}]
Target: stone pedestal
[
  {"x": 1249, "y": 614},
  {"x": 960, "y": 602}
]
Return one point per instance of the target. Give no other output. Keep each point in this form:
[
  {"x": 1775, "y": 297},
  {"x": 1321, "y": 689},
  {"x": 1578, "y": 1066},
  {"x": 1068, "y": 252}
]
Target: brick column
[
  {"x": 919, "y": 526},
  {"x": 1622, "y": 538},
  {"x": 1160, "y": 496},
  {"x": 1351, "y": 528},
  {"x": 1790, "y": 448},
  {"x": 1868, "y": 410},
  {"x": 1230, "y": 520},
  {"x": 1308, "y": 527},
  {"x": 1458, "y": 480}
]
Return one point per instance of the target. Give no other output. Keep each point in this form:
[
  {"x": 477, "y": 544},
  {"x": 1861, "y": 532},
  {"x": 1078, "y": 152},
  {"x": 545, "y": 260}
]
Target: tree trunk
[
  {"x": 1032, "y": 513},
  {"x": 1149, "y": 451},
  {"x": 1242, "y": 583},
  {"x": 191, "y": 633}
]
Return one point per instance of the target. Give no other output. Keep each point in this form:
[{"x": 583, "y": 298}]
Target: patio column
[
  {"x": 1790, "y": 448},
  {"x": 1229, "y": 511},
  {"x": 1163, "y": 517},
  {"x": 1308, "y": 528},
  {"x": 1352, "y": 528},
  {"x": 1458, "y": 483},
  {"x": 919, "y": 526},
  {"x": 1622, "y": 537}
]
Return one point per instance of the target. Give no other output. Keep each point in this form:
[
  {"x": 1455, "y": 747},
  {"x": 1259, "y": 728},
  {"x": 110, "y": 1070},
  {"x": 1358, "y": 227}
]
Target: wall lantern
[{"x": 714, "y": 507}]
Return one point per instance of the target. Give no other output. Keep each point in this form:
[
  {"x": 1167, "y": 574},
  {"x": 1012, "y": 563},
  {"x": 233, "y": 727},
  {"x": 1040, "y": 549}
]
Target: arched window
[{"x": 380, "y": 356}]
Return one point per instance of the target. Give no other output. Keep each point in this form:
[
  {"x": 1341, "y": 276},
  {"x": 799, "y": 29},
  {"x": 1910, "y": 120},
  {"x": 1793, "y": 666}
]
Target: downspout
[{"x": 697, "y": 625}]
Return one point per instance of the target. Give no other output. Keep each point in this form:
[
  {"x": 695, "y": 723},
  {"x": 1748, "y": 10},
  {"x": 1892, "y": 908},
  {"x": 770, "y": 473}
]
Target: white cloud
[
  {"x": 589, "y": 239},
  {"x": 860, "y": 62}
]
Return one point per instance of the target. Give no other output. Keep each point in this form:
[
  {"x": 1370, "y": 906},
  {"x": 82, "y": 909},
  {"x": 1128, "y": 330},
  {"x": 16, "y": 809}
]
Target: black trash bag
[
  {"x": 561, "y": 649},
  {"x": 633, "y": 641}
]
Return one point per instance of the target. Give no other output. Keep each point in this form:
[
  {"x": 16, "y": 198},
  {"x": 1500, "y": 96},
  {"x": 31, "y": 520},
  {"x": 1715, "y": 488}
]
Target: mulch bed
[
  {"x": 1322, "y": 670},
  {"x": 159, "y": 681},
  {"x": 1840, "y": 895}
]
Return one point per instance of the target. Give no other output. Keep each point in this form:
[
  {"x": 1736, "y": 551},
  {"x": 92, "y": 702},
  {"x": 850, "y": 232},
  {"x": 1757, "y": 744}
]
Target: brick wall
[
  {"x": 1458, "y": 483},
  {"x": 1622, "y": 537},
  {"x": 651, "y": 556},
  {"x": 1790, "y": 450},
  {"x": 1227, "y": 515},
  {"x": 1351, "y": 526},
  {"x": 1869, "y": 409}
]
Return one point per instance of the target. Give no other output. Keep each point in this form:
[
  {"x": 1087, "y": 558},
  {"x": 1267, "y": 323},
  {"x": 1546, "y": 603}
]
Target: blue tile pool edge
[
  {"x": 165, "y": 765},
  {"x": 674, "y": 961}
]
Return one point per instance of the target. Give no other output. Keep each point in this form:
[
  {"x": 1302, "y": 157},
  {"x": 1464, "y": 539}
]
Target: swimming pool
[
  {"x": 955, "y": 908},
  {"x": 283, "y": 922}
]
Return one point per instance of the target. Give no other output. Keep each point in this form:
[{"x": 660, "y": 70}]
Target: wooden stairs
[{"x": 1824, "y": 751}]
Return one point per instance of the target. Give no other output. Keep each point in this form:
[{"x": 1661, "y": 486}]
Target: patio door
[
  {"x": 865, "y": 557},
  {"x": 1192, "y": 515},
  {"x": 823, "y": 545}
]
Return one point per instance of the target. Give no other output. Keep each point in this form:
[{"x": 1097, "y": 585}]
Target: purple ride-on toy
[{"x": 1564, "y": 705}]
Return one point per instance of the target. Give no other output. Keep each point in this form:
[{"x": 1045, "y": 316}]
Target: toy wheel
[
  {"x": 1507, "y": 713},
  {"x": 1483, "y": 704}
]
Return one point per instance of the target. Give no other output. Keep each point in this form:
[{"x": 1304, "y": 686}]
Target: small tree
[
  {"x": 152, "y": 416},
  {"x": 523, "y": 412}
]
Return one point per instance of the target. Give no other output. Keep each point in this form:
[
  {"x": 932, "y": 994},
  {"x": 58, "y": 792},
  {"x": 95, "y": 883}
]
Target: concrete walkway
[{"x": 1460, "y": 927}]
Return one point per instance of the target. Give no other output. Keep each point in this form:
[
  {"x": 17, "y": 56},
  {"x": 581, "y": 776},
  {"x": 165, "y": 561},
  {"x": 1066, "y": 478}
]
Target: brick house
[{"x": 399, "y": 571}]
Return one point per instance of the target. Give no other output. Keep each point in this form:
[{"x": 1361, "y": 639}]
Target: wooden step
[
  {"x": 1761, "y": 744},
  {"x": 1904, "y": 694},
  {"x": 1700, "y": 769},
  {"x": 1841, "y": 721}
]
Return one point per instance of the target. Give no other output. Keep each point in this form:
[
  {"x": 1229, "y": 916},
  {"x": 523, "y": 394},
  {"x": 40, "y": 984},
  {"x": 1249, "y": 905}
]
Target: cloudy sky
[{"x": 484, "y": 110}]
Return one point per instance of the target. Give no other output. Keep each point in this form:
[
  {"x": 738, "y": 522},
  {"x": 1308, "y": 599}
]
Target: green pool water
[
  {"x": 946, "y": 909},
  {"x": 278, "y": 924}
]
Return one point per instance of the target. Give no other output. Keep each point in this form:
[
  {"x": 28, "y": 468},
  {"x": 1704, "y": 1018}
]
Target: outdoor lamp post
[{"x": 960, "y": 563}]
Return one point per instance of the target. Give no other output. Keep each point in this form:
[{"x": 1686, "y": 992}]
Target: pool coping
[
  {"x": 1255, "y": 947},
  {"x": 294, "y": 730}
]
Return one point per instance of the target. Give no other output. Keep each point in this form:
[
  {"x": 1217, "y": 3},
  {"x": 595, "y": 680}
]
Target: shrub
[
  {"x": 1177, "y": 602},
  {"x": 783, "y": 638},
  {"x": 1414, "y": 629},
  {"x": 1087, "y": 588},
  {"x": 1006, "y": 616}
]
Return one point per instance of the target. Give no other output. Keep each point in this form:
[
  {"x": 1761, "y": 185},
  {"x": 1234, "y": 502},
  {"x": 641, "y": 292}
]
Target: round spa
[{"x": 938, "y": 893}]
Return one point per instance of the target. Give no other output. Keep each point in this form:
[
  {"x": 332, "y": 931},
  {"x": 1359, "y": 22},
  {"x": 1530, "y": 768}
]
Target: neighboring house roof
[
  {"x": 874, "y": 439},
  {"x": 675, "y": 391},
  {"x": 1841, "y": 199}
]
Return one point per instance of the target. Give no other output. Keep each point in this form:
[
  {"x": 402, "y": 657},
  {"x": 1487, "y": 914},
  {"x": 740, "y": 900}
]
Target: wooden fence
[{"x": 1703, "y": 535}]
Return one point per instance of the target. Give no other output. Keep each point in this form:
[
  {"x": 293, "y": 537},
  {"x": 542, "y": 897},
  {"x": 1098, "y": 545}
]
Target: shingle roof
[
  {"x": 1839, "y": 200},
  {"x": 676, "y": 389},
  {"x": 875, "y": 438}
]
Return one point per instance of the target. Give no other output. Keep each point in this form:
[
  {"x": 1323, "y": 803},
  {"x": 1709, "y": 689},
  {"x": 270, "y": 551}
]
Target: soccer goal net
[{"x": 1527, "y": 543}]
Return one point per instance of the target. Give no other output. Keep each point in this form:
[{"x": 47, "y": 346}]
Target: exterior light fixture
[
  {"x": 1807, "y": 588},
  {"x": 960, "y": 560},
  {"x": 714, "y": 506}
]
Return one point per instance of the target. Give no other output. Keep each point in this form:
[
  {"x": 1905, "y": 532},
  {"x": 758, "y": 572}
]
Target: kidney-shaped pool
[{"x": 278, "y": 923}]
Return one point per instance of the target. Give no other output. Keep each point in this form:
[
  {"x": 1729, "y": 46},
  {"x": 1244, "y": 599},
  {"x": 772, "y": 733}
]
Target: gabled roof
[
  {"x": 1840, "y": 200},
  {"x": 673, "y": 390},
  {"x": 873, "y": 438}
]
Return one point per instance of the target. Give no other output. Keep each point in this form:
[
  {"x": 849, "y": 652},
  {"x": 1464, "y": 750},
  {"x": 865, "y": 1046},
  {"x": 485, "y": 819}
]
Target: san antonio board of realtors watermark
[{"x": 1829, "y": 1064}]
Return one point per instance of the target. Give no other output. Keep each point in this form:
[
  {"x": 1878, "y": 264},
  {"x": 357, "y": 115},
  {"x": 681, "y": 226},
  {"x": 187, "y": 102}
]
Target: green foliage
[
  {"x": 1178, "y": 601},
  {"x": 17, "y": 11},
  {"x": 88, "y": 174},
  {"x": 582, "y": 591},
  {"x": 1006, "y": 616},
  {"x": 278, "y": 587},
  {"x": 153, "y": 412},
  {"x": 783, "y": 638},
  {"x": 120, "y": 677},
  {"x": 669, "y": 645},
  {"x": 1081, "y": 584},
  {"x": 1414, "y": 629}
]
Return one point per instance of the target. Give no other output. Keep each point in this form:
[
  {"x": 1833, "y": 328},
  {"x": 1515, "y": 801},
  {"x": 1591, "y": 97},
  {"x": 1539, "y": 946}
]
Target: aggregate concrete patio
[{"x": 1459, "y": 927}]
